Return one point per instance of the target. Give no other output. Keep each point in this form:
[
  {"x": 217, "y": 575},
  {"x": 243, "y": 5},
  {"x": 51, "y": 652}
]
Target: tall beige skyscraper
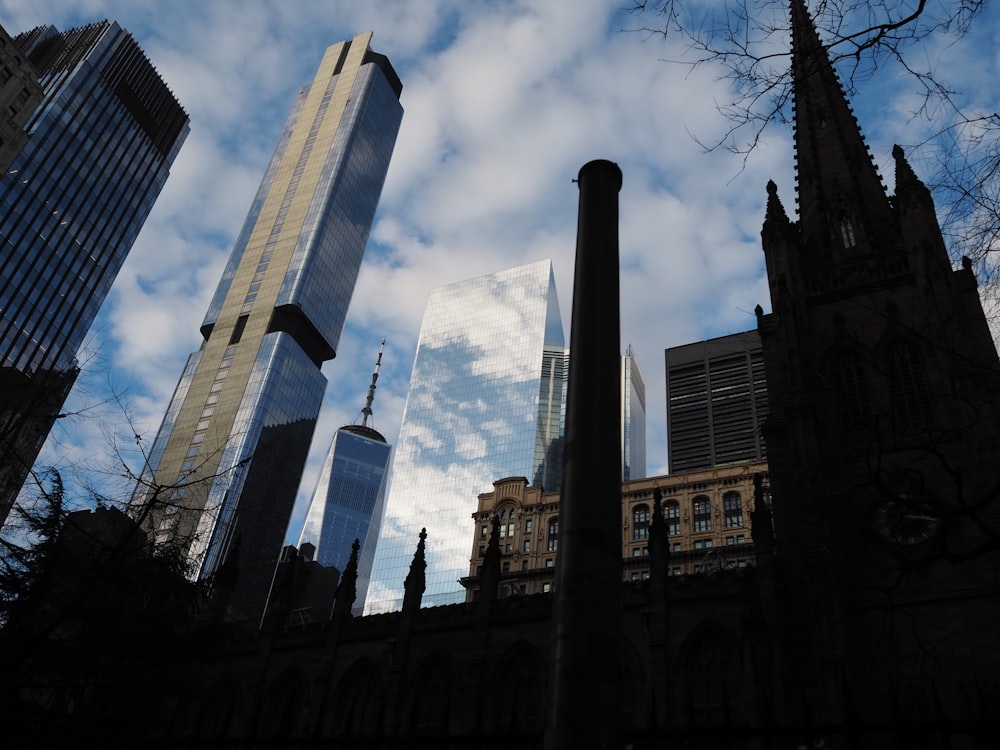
[{"x": 226, "y": 464}]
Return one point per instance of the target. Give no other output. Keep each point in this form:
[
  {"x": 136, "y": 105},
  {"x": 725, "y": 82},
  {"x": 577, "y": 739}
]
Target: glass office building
[
  {"x": 99, "y": 149},
  {"x": 227, "y": 461},
  {"x": 484, "y": 402},
  {"x": 633, "y": 408},
  {"x": 349, "y": 494}
]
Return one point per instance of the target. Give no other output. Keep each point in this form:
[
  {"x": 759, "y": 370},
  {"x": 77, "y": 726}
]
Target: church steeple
[{"x": 844, "y": 212}]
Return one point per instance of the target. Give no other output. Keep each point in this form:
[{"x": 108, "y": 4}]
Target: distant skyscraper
[
  {"x": 350, "y": 492},
  {"x": 485, "y": 401},
  {"x": 237, "y": 432},
  {"x": 716, "y": 402},
  {"x": 633, "y": 418},
  {"x": 99, "y": 149}
]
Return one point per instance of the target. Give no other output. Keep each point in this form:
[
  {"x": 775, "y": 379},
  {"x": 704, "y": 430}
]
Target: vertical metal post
[{"x": 585, "y": 707}]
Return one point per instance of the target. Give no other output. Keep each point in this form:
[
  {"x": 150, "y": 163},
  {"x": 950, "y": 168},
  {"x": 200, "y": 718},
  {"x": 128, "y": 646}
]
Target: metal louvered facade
[{"x": 716, "y": 402}]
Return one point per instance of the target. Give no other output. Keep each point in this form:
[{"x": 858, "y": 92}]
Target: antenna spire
[{"x": 367, "y": 411}]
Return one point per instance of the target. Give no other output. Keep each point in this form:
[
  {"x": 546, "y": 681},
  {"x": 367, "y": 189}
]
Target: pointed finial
[
  {"x": 415, "y": 582},
  {"x": 489, "y": 578},
  {"x": 367, "y": 410},
  {"x": 347, "y": 588},
  {"x": 775, "y": 210},
  {"x": 658, "y": 528},
  {"x": 907, "y": 182}
]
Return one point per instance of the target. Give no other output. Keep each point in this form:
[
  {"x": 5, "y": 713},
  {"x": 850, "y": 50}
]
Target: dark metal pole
[{"x": 585, "y": 707}]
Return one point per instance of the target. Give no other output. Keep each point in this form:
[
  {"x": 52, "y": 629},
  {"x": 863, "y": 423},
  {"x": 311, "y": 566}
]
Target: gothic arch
[
  {"x": 634, "y": 686},
  {"x": 357, "y": 705},
  {"x": 850, "y": 384},
  {"x": 709, "y": 677},
  {"x": 909, "y": 393},
  {"x": 516, "y": 692},
  {"x": 284, "y": 704},
  {"x": 432, "y": 698},
  {"x": 215, "y": 709}
]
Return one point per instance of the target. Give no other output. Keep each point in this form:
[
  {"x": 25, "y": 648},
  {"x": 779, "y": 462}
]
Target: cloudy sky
[{"x": 504, "y": 102}]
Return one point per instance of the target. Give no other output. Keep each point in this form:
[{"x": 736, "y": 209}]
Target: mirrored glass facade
[
  {"x": 349, "y": 492},
  {"x": 633, "y": 418},
  {"x": 226, "y": 464},
  {"x": 99, "y": 150},
  {"x": 484, "y": 403}
]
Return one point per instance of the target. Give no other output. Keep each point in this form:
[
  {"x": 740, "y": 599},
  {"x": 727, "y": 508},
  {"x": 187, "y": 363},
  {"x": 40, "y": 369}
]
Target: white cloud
[{"x": 504, "y": 102}]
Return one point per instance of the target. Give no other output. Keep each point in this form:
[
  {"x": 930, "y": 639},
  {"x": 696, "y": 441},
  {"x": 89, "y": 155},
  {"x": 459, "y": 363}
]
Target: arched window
[
  {"x": 507, "y": 514},
  {"x": 640, "y": 522},
  {"x": 216, "y": 709},
  {"x": 283, "y": 710},
  {"x": 432, "y": 696},
  {"x": 553, "y": 536},
  {"x": 672, "y": 515},
  {"x": 908, "y": 386},
  {"x": 847, "y": 236},
  {"x": 358, "y": 703},
  {"x": 702, "y": 513},
  {"x": 852, "y": 389},
  {"x": 711, "y": 677},
  {"x": 517, "y": 693},
  {"x": 732, "y": 506}
]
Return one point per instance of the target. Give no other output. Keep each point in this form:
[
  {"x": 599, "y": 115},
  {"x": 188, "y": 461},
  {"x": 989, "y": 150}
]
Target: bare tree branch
[{"x": 748, "y": 44}]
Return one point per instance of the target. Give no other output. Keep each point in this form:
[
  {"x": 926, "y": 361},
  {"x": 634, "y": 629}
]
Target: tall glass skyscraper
[
  {"x": 350, "y": 493},
  {"x": 633, "y": 394},
  {"x": 99, "y": 149},
  {"x": 484, "y": 403},
  {"x": 226, "y": 464}
]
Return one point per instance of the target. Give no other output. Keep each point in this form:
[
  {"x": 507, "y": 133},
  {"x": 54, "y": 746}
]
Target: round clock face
[
  {"x": 907, "y": 524},
  {"x": 905, "y": 519}
]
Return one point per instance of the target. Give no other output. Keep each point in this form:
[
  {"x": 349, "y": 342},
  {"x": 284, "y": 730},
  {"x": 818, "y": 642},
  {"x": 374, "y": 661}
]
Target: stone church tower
[{"x": 882, "y": 436}]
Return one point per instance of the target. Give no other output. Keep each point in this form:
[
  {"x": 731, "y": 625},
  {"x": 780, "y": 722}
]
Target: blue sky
[{"x": 504, "y": 102}]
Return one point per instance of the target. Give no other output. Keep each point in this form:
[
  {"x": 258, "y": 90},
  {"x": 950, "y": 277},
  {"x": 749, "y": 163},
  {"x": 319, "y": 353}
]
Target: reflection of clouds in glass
[
  {"x": 474, "y": 447},
  {"x": 503, "y": 305},
  {"x": 470, "y": 418}
]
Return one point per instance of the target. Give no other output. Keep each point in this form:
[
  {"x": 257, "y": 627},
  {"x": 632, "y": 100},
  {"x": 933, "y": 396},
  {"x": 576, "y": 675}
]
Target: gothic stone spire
[{"x": 844, "y": 212}]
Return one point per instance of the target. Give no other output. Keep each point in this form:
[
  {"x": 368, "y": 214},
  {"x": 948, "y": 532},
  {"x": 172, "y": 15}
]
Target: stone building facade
[{"x": 706, "y": 513}]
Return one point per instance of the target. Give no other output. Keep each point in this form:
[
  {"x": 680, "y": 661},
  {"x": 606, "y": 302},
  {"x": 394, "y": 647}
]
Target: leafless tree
[{"x": 958, "y": 146}]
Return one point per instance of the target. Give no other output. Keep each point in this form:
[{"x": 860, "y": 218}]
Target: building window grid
[
  {"x": 672, "y": 516},
  {"x": 640, "y": 522},
  {"x": 701, "y": 514},
  {"x": 732, "y": 505}
]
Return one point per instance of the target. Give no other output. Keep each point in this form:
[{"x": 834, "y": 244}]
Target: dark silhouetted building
[
  {"x": 882, "y": 436},
  {"x": 20, "y": 95}
]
